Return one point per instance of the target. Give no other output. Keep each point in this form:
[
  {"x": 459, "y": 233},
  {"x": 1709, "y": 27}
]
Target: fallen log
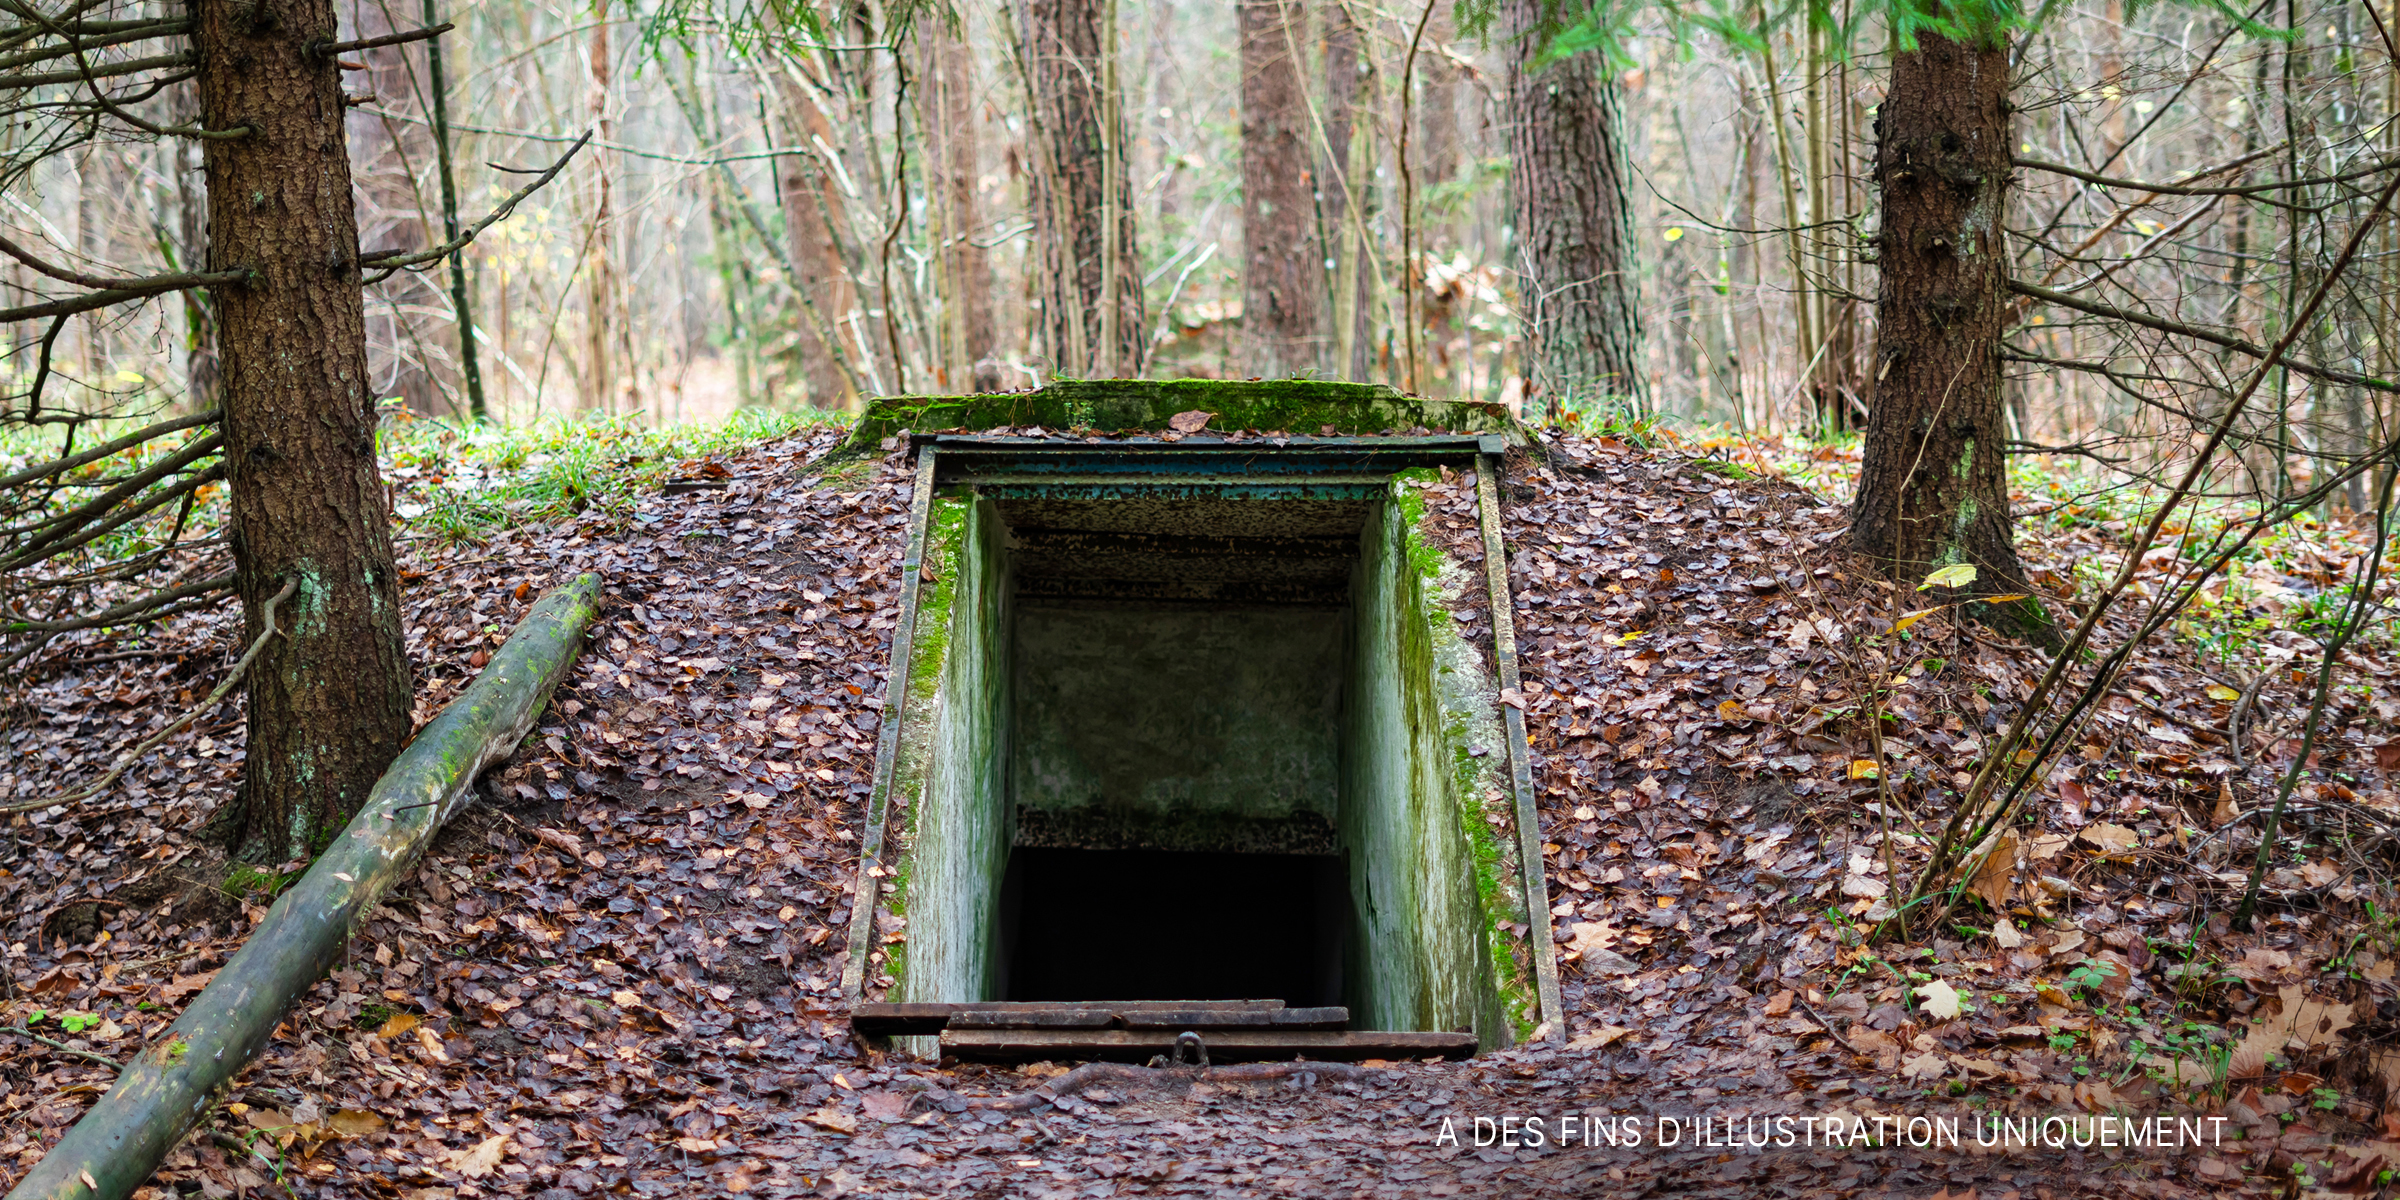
[{"x": 170, "y": 1084}]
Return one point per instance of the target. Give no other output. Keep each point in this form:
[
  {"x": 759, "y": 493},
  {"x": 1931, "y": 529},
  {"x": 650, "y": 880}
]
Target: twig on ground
[
  {"x": 1830, "y": 1031},
  {"x": 62, "y": 1047},
  {"x": 150, "y": 743}
]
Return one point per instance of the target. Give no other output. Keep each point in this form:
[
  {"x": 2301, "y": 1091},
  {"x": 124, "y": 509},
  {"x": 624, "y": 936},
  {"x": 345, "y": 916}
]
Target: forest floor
[{"x": 620, "y": 974}]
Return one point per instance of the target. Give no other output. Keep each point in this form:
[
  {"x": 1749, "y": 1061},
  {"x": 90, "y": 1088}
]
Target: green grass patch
[{"x": 465, "y": 483}]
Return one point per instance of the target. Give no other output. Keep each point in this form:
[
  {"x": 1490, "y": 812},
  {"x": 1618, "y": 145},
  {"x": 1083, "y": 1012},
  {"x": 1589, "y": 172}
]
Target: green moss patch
[{"x": 1294, "y": 406}]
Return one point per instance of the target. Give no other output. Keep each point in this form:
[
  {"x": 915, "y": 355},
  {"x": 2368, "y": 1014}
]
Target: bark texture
[
  {"x": 1933, "y": 490},
  {"x": 174, "y": 1080},
  {"x": 386, "y": 157},
  {"x": 1349, "y": 168},
  {"x": 1574, "y": 222},
  {"x": 328, "y": 702},
  {"x": 966, "y": 346},
  {"x": 812, "y": 212},
  {"x": 1284, "y": 319},
  {"x": 1080, "y": 188}
]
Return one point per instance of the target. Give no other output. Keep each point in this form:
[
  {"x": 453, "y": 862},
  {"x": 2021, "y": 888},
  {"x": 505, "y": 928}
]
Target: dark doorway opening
[{"x": 1173, "y": 925}]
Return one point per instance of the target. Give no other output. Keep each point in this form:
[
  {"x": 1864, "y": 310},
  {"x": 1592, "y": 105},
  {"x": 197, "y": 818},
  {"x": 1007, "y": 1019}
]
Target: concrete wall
[
  {"x": 960, "y": 827},
  {"x": 1178, "y": 713},
  {"x": 1420, "y": 958},
  {"x": 1366, "y": 720}
]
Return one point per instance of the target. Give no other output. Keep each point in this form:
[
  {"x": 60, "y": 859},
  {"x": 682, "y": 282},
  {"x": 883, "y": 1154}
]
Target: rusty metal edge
[
  {"x": 1533, "y": 876},
  {"x": 887, "y": 741}
]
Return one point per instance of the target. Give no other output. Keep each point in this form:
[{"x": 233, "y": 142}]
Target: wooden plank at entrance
[
  {"x": 1102, "y": 1016},
  {"x": 1206, "y": 1018},
  {"x": 1244, "y": 1045},
  {"x": 1531, "y": 874},
  {"x": 893, "y": 1020}
]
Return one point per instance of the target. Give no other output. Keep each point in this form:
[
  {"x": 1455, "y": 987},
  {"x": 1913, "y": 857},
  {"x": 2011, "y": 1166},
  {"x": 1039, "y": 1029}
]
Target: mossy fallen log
[{"x": 168, "y": 1086}]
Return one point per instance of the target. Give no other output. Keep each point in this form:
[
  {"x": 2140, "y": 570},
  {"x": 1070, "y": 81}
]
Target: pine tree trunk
[
  {"x": 1283, "y": 258},
  {"x": 1077, "y": 191},
  {"x": 1574, "y": 222},
  {"x": 967, "y": 347},
  {"x": 1933, "y": 490},
  {"x": 328, "y": 701}
]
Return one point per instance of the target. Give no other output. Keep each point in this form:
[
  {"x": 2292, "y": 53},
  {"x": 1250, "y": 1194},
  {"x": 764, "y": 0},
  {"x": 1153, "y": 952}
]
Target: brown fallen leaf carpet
[{"x": 619, "y": 975}]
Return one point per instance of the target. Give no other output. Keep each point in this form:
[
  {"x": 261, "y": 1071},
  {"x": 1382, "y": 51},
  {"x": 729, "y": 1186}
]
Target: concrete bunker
[{"x": 1189, "y": 721}]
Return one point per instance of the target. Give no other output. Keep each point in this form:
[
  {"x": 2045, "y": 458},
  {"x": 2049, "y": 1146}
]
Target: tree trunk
[
  {"x": 1090, "y": 278},
  {"x": 1283, "y": 257},
  {"x": 1933, "y": 490},
  {"x": 328, "y": 701},
  {"x": 385, "y": 157},
  {"x": 1347, "y": 170},
  {"x": 812, "y": 204},
  {"x": 607, "y": 374},
  {"x": 966, "y": 349},
  {"x": 1574, "y": 222}
]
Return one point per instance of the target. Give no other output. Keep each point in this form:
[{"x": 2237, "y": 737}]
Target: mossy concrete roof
[{"x": 1295, "y": 406}]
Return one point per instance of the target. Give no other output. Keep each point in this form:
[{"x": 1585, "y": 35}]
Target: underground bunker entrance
[{"x": 1191, "y": 741}]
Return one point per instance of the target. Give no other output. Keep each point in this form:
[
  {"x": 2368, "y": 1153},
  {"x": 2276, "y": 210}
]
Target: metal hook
[{"x": 1199, "y": 1049}]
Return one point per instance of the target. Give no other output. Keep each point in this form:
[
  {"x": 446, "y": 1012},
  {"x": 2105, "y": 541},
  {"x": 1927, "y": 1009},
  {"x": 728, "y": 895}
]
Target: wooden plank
[
  {"x": 868, "y": 891},
  {"x": 1217, "y": 1018},
  {"x": 1531, "y": 876},
  {"x": 1103, "y": 1016},
  {"x": 878, "y": 1019},
  {"x": 1053, "y": 1017},
  {"x": 1246, "y": 1045}
]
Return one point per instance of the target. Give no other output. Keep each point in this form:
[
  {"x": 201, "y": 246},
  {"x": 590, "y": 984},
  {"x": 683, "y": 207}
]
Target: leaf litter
[{"x": 619, "y": 975}]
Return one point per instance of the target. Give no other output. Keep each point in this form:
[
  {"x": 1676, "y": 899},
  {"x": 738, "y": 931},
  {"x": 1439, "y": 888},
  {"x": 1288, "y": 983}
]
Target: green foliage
[{"x": 462, "y": 484}]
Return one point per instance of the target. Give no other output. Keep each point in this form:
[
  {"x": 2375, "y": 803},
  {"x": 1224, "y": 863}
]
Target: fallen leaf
[
  {"x": 1925, "y": 1067},
  {"x": 1189, "y": 422},
  {"x": 1952, "y": 576},
  {"x": 1781, "y": 1002},
  {"x": 834, "y": 1119},
  {"x": 1908, "y": 619},
  {"x": 884, "y": 1106},
  {"x": 2218, "y": 691},
  {"x": 266, "y": 1118},
  {"x": 1601, "y": 1037},
  {"x": 1939, "y": 999},
  {"x": 480, "y": 1159},
  {"x": 397, "y": 1024},
  {"x": 2005, "y": 935},
  {"x": 1864, "y": 768},
  {"x": 2226, "y": 810},
  {"x": 1990, "y": 880},
  {"x": 355, "y": 1122},
  {"x": 2112, "y": 839}
]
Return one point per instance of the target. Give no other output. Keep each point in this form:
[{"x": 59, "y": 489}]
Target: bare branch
[
  {"x": 331, "y": 49},
  {"x": 396, "y": 260},
  {"x": 2196, "y": 333},
  {"x": 103, "y": 450},
  {"x": 2255, "y": 191},
  {"x": 156, "y": 285}
]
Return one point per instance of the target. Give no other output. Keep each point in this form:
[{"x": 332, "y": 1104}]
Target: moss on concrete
[
  {"x": 1470, "y": 714},
  {"x": 1295, "y": 406}
]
